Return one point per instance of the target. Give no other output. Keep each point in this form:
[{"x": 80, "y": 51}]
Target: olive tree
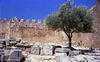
[{"x": 71, "y": 20}]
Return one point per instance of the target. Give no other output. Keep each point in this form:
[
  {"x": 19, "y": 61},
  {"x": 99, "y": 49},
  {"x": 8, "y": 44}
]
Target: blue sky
[{"x": 37, "y": 9}]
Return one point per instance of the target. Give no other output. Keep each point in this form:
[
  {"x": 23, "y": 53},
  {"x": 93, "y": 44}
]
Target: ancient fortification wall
[
  {"x": 96, "y": 15},
  {"x": 36, "y": 32}
]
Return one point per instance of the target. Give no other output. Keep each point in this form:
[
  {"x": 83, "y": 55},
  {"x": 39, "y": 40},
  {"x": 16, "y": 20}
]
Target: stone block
[
  {"x": 35, "y": 50},
  {"x": 62, "y": 50},
  {"x": 46, "y": 50},
  {"x": 62, "y": 57}
]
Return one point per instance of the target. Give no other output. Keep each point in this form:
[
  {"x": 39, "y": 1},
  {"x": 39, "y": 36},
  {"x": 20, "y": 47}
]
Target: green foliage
[
  {"x": 53, "y": 21},
  {"x": 71, "y": 19}
]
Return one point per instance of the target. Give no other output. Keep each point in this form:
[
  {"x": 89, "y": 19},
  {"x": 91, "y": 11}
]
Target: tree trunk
[
  {"x": 70, "y": 41},
  {"x": 69, "y": 35}
]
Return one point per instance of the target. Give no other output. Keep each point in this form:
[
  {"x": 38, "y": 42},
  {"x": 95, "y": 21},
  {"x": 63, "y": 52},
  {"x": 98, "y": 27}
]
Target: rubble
[{"x": 45, "y": 52}]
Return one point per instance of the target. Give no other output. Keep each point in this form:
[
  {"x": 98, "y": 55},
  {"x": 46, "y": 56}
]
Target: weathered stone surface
[
  {"x": 97, "y": 25},
  {"x": 62, "y": 57},
  {"x": 35, "y": 32},
  {"x": 35, "y": 50},
  {"x": 62, "y": 50},
  {"x": 46, "y": 50},
  {"x": 38, "y": 58}
]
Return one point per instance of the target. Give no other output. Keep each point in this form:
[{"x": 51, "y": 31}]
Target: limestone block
[
  {"x": 35, "y": 50},
  {"x": 46, "y": 50},
  {"x": 62, "y": 57},
  {"x": 62, "y": 50}
]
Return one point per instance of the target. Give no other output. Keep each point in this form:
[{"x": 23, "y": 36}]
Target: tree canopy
[{"x": 71, "y": 19}]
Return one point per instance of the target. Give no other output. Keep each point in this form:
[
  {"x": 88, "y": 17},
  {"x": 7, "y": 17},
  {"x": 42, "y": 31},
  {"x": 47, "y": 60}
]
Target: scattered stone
[{"x": 35, "y": 50}]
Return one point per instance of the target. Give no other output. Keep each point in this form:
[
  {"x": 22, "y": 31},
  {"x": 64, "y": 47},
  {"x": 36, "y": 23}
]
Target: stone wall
[
  {"x": 39, "y": 35},
  {"x": 34, "y": 32},
  {"x": 96, "y": 15},
  {"x": 45, "y": 36}
]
